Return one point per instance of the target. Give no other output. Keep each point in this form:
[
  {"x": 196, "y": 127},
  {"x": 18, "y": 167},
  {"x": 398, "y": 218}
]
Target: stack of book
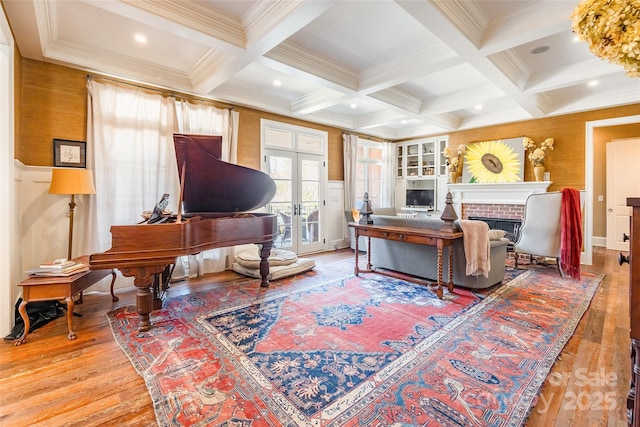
[{"x": 59, "y": 267}]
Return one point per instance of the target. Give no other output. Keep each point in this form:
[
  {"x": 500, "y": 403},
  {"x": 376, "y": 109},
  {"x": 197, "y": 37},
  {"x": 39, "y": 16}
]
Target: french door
[{"x": 299, "y": 199}]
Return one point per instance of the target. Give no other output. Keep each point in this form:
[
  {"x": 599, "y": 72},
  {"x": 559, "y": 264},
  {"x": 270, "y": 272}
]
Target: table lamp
[{"x": 71, "y": 181}]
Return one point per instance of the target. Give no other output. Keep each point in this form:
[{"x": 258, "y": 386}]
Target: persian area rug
[{"x": 320, "y": 350}]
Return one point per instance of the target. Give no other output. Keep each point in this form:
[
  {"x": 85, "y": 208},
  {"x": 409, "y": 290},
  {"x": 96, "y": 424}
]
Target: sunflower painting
[{"x": 493, "y": 161}]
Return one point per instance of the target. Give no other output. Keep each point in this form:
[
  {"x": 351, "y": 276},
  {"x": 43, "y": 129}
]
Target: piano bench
[{"x": 56, "y": 288}]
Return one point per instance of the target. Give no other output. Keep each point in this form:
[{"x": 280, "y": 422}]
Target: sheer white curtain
[
  {"x": 203, "y": 119},
  {"x": 388, "y": 194},
  {"x": 130, "y": 149},
  {"x": 350, "y": 149}
]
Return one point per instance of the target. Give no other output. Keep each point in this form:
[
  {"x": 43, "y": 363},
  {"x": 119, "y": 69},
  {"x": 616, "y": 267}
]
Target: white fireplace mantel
[{"x": 508, "y": 193}]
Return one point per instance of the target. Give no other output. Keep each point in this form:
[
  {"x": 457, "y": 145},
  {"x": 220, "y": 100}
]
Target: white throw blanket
[{"x": 476, "y": 247}]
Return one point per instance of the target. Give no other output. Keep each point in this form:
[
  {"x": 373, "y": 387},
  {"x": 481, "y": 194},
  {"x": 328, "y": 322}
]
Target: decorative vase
[
  {"x": 453, "y": 177},
  {"x": 538, "y": 172}
]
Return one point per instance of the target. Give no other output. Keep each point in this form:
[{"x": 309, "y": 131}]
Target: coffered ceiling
[{"x": 392, "y": 69}]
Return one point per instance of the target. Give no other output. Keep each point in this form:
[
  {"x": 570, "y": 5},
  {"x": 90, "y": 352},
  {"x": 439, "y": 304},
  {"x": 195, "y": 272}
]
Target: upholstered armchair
[{"x": 540, "y": 232}]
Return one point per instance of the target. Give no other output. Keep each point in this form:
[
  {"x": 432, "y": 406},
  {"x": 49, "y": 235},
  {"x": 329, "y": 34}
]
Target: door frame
[
  {"x": 587, "y": 255},
  {"x": 296, "y": 226},
  {"x": 321, "y": 152},
  {"x": 615, "y": 242}
]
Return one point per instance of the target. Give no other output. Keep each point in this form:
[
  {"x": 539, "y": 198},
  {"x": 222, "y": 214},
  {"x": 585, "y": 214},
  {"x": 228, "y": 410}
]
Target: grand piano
[{"x": 216, "y": 197}]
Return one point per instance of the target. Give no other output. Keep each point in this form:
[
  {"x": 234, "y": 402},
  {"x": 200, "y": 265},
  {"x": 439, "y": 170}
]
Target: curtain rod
[{"x": 162, "y": 91}]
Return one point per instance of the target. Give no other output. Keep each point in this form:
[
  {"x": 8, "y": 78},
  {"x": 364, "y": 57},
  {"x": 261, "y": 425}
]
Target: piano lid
[{"x": 213, "y": 185}]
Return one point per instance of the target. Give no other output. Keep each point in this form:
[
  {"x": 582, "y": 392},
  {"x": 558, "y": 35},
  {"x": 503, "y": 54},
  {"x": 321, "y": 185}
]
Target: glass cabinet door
[
  {"x": 428, "y": 159},
  {"x": 413, "y": 160},
  {"x": 400, "y": 157}
]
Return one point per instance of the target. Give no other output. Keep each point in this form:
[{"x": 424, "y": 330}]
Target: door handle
[
  {"x": 609, "y": 210},
  {"x": 622, "y": 259},
  {"x": 625, "y": 237}
]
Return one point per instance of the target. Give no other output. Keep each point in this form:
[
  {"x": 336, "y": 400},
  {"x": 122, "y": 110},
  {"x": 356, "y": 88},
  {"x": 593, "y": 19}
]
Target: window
[{"x": 369, "y": 171}]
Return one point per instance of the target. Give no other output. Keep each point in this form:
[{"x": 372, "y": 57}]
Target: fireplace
[
  {"x": 511, "y": 226},
  {"x": 501, "y": 205}
]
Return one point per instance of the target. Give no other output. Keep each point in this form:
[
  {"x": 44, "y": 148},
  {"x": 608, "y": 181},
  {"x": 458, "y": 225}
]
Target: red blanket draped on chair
[{"x": 570, "y": 233}]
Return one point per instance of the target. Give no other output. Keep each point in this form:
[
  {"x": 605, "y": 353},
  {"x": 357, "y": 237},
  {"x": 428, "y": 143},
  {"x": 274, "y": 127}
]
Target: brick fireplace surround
[
  {"x": 492, "y": 210},
  {"x": 496, "y": 200}
]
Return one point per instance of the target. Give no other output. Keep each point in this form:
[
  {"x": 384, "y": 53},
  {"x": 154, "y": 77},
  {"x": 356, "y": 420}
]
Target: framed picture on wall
[
  {"x": 69, "y": 153},
  {"x": 494, "y": 161}
]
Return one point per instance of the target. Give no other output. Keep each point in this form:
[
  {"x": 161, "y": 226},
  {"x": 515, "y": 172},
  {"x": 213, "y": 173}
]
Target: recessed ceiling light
[
  {"x": 277, "y": 83},
  {"x": 576, "y": 39},
  {"x": 354, "y": 105},
  {"x": 404, "y": 122},
  {"x": 540, "y": 49},
  {"x": 140, "y": 38},
  {"x": 593, "y": 83},
  {"x": 478, "y": 107}
]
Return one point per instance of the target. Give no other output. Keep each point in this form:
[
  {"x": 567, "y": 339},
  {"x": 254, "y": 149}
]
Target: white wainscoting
[
  {"x": 44, "y": 220},
  {"x": 337, "y": 234}
]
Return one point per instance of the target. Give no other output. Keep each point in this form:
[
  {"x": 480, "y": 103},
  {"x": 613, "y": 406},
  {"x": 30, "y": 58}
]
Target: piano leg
[
  {"x": 143, "y": 280},
  {"x": 265, "y": 251}
]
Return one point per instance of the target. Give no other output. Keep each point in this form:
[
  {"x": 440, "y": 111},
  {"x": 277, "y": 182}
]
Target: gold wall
[{"x": 52, "y": 104}]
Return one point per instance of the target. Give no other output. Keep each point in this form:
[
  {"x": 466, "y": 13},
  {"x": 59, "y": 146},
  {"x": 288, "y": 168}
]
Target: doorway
[
  {"x": 623, "y": 180},
  {"x": 295, "y": 158},
  {"x": 589, "y": 183},
  {"x": 298, "y": 200}
]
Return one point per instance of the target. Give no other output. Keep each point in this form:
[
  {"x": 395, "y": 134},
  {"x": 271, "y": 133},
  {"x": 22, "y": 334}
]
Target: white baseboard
[{"x": 599, "y": 241}]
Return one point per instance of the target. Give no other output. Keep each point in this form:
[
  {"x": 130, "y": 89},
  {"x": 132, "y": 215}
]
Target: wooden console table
[
  {"x": 437, "y": 238},
  {"x": 56, "y": 288}
]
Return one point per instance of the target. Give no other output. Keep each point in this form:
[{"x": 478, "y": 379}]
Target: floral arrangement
[
  {"x": 537, "y": 154},
  {"x": 453, "y": 162},
  {"x": 612, "y": 30}
]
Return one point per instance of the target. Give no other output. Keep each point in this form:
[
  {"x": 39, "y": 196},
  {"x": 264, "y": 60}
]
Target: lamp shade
[{"x": 71, "y": 181}]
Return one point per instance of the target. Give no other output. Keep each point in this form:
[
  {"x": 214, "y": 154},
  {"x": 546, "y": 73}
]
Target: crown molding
[
  {"x": 460, "y": 100},
  {"x": 376, "y": 120},
  {"x": 466, "y": 16},
  {"x": 510, "y": 64},
  {"x": 316, "y": 100},
  {"x": 526, "y": 25},
  {"x": 429, "y": 59},
  {"x": 296, "y": 56},
  {"x": 198, "y": 16},
  {"x": 208, "y": 66},
  {"x": 105, "y": 62},
  {"x": 398, "y": 98}
]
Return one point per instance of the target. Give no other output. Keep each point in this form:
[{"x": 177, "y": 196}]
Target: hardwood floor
[{"x": 50, "y": 381}]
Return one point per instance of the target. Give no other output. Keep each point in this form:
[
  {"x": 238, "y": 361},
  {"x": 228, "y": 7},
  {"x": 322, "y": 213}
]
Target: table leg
[
  {"x": 114, "y": 298},
  {"x": 70, "y": 303},
  {"x": 265, "y": 251},
  {"x": 369, "y": 253},
  {"x": 356, "y": 270},
  {"x": 25, "y": 319},
  {"x": 439, "y": 291},
  {"x": 450, "y": 284}
]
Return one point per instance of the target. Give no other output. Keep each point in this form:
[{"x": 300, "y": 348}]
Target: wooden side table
[{"x": 55, "y": 288}]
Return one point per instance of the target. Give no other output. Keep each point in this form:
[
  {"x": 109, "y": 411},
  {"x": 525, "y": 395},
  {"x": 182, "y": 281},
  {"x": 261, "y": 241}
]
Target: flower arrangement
[
  {"x": 612, "y": 30},
  {"x": 537, "y": 154},
  {"x": 453, "y": 162}
]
